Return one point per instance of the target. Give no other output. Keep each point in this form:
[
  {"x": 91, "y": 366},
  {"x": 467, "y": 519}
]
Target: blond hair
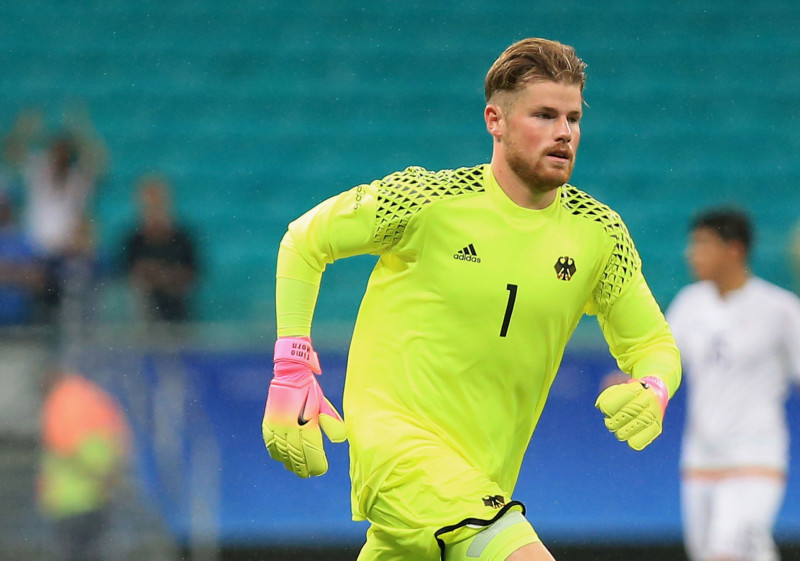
[{"x": 534, "y": 59}]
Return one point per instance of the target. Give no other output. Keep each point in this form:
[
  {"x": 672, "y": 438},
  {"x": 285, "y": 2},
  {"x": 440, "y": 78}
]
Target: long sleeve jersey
[{"x": 467, "y": 312}]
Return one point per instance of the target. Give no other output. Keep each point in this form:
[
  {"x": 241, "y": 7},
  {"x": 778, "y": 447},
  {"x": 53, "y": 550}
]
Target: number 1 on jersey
[{"x": 512, "y": 297}]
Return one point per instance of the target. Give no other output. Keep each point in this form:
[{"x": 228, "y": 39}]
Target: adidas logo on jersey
[{"x": 467, "y": 254}]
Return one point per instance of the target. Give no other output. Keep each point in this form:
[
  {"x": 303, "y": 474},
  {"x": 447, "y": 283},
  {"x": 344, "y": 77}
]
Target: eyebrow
[{"x": 554, "y": 110}]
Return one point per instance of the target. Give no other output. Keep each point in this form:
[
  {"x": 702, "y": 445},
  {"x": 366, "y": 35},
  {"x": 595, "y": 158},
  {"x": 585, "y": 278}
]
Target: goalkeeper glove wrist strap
[
  {"x": 298, "y": 350},
  {"x": 658, "y": 386}
]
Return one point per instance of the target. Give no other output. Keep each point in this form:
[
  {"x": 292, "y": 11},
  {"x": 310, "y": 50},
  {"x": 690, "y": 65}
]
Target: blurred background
[{"x": 127, "y": 125}]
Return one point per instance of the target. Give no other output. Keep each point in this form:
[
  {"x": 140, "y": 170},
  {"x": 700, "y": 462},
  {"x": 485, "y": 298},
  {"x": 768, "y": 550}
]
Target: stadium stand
[{"x": 258, "y": 111}]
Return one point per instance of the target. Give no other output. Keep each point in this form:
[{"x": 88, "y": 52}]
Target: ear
[{"x": 495, "y": 121}]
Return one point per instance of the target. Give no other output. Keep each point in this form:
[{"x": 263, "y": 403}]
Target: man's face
[
  {"x": 708, "y": 254},
  {"x": 540, "y": 132}
]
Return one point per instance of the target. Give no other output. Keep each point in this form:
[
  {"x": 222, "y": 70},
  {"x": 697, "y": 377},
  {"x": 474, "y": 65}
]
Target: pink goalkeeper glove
[
  {"x": 635, "y": 410},
  {"x": 296, "y": 408}
]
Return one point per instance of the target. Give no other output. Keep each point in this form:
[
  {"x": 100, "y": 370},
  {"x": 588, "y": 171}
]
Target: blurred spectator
[
  {"x": 59, "y": 180},
  {"x": 160, "y": 255},
  {"x": 30, "y": 135},
  {"x": 21, "y": 272},
  {"x": 58, "y": 189},
  {"x": 85, "y": 439}
]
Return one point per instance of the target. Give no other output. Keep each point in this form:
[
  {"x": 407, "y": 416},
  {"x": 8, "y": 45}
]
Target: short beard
[{"x": 531, "y": 177}]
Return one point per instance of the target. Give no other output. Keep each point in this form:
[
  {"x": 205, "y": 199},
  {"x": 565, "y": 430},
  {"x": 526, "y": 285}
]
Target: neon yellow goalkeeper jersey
[{"x": 466, "y": 315}]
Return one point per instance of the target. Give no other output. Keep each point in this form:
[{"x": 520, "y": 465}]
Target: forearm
[
  {"x": 663, "y": 361},
  {"x": 295, "y": 301},
  {"x": 296, "y": 290},
  {"x": 639, "y": 336},
  {"x": 653, "y": 353}
]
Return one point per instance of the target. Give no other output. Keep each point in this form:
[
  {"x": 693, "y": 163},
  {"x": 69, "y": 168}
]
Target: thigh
[
  {"x": 391, "y": 544},
  {"x": 399, "y": 544},
  {"x": 531, "y": 552},
  {"x": 433, "y": 490},
  {"x": 511, "y": 537},
  {"x": 745, "y": 510},
  {"x": 696, "y": 503},
  {"x": 425, "y": 504}
]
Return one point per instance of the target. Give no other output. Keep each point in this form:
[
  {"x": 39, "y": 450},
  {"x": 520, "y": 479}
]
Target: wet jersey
[{"x": 466, "y": 314}]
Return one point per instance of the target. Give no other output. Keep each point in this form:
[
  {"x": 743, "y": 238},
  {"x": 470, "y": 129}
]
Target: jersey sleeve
[
  {"x": 341, "y": 226},
  {"x": 370, "y": 218},
  {"x": 632, "y": 322}
]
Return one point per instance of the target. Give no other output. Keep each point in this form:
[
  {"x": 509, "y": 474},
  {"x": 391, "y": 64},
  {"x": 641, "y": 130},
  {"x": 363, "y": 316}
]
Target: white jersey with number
[{"x": 741, "y": 353}]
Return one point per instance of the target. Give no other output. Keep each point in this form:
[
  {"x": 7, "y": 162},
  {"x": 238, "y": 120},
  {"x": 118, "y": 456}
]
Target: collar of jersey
[
  {"x": 737, "y": 294},
  {"x": 510, "y": 208}
]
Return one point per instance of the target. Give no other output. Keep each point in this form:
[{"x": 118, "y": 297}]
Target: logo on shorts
[
  {"x": 494, "y": 501},
  {"x": 565, "y": 267}
]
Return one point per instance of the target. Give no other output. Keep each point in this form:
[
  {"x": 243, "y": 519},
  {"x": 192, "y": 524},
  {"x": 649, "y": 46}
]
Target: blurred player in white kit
[{"x": 739, "y": 337}]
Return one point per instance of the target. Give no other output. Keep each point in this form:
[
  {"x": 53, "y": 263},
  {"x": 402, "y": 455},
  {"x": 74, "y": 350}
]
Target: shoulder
[
  {"x": 405, "y": 194},
  {"x": 690, "y": 297},
  {"x": 601, "y": 222},
  {"x": 583, "y": 206},
  {"x": 700, "y": 289},
  {"x": 423, "y": 186},
  {"x": 774, "y": 295},
  {"x": 695, "y": 292}
]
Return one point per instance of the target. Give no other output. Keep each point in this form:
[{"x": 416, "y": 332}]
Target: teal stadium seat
[{"x": 258, "y": 110}]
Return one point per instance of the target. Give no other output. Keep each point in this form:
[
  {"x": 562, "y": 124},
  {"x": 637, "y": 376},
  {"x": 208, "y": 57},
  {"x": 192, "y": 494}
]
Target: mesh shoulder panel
[
  {"x": 624, "y": 261},
  {"x": 404, "y": 193}
]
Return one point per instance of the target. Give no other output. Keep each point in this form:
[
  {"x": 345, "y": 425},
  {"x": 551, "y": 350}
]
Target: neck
[
  {"x": 518, "y": 191},
  {"x": 734, "y": 280}
]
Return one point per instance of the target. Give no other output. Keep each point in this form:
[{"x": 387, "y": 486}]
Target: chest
[
  {"x": 167, "y": 249},
  {"x": 477, "y": 265},
  {"x": 730, "y": 336}
]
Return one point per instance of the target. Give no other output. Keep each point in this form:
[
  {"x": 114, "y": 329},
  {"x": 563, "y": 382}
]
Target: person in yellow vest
[{"x": 85, "y": 441}]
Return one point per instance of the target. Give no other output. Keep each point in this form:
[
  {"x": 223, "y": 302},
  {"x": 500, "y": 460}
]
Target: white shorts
[{"x": 731, "y": 517}]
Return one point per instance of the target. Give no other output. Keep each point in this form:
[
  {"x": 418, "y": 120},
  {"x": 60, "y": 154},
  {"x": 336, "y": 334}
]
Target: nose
[{"x": 563, "y": 130}]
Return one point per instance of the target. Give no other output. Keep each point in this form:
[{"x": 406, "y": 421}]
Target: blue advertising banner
[{"x": 200, "y": 454}]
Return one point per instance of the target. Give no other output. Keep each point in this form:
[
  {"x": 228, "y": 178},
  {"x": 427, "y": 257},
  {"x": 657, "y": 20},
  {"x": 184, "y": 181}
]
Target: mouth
[{"x": 560, "y": 155}]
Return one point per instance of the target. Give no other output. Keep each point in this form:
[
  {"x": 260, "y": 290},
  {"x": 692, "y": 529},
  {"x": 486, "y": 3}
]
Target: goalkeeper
[{"x": 483, "y": 274}]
